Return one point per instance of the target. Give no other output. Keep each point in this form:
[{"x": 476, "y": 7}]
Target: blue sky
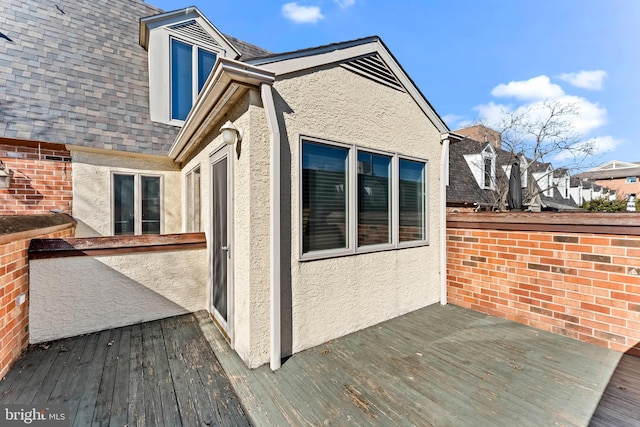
[{"x": 473, "y": 58}]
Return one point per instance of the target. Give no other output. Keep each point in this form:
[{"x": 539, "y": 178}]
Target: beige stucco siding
[
  {"x": 92, "y": 188},
  {"x": 335, "y": 296},
  {"x": 77, "y": 295},
  {"x": 249, "y": 163}
]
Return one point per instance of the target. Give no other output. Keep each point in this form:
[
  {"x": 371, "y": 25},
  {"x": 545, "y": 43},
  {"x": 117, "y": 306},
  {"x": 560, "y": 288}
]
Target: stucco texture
[
  {"x": 332, "y": 297},
  {"x": 77, "y": 295},
  {"x": 92, "y": 188},
  {"x": 249, "y": 264}
]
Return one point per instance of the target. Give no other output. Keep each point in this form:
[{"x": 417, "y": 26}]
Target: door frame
[{"x": 223, "y": 153}]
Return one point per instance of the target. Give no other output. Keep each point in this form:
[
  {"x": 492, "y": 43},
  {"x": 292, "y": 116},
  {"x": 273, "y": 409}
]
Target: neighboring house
[
  {"x": 479, "y": 174},
  {"x": 622, "y": 178},
  {"x": 315, "y": 174},
  {"x": 584, "y": 190}
]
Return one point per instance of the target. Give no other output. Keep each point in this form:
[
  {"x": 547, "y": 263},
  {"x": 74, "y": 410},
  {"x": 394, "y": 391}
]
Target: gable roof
[
  {"x": 74, "y": 73},
  {"x": 463, "y": 188},
  {"x": 614, "y": 169},
  {"x": 381, "y": 66}
]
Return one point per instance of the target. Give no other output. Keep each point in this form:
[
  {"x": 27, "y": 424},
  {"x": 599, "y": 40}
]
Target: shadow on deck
[
  {"x": 155, "y": 373},
  {"x": 438, "y": 366}
]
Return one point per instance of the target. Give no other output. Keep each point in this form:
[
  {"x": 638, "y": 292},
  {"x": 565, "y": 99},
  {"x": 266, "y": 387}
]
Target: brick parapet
[
  {"x": 583, "y": 285},
  {"x": 14, "y": 281},
  {"x": 41, "y": 178}
]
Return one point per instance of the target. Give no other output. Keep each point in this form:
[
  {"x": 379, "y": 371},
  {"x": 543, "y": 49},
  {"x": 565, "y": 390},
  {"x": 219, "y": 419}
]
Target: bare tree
[{"x": 538, "y": 133}]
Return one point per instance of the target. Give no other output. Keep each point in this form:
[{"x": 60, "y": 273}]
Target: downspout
[
  {"x": 274, "y": 212},
  {"x": 444, "y": 183}
]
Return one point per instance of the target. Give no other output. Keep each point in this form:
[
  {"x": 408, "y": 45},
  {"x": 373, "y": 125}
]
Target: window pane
[
  {"x": 488, "y": 166},
  {"x": 324, "y": 197},
  {"x": 412, "y": 200},
  {"x": 206, "y": 60},
  {"x": 123, "y": 204},
  {"x": 374, "y": 192},
  {"x": 181, "y": 79},
  {"x": 150, "y": 193},
  {"x": 193, "y": 201}
]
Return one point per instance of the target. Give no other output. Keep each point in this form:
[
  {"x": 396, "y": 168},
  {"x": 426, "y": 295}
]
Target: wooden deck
[
  {"x": 439, "y": 366},
  {"x": 620, "y": 404},
  {"x": 156, "y": 373}
]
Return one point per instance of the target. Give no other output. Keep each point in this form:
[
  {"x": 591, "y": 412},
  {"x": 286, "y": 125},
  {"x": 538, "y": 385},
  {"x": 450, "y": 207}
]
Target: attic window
[{"x": 190, "y": 68}]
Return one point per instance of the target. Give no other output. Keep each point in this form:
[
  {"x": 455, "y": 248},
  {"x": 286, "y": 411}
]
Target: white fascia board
[
  {"x": 333, "y": 54},
  {"x": 180, "y": 15},
  {"x": 227, "y": 76}
]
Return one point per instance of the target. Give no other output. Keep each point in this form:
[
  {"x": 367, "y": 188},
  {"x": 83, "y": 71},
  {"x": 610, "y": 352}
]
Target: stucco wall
[
  {"x": 92, "y": 188},
  {"x": 249, "y": 163},
  {"x": 76, "y": 295},
  {"x": 332, "y": 297}
]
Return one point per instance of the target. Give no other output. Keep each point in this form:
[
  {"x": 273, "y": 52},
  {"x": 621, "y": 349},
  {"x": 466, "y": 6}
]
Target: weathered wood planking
[
  {"x": 432, "y": 367},
  {"x": 156, "y": 373},
  {"x": 620, "y": 404}
]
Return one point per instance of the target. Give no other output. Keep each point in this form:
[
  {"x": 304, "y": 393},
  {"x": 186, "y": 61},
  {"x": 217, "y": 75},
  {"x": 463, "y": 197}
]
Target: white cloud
[
  {"x": 589, "y": 115},
  {"x": 601, "y": 145},
  {"x": 450, "y": 119},
  {"x": 345, "y": 3},
  {"x": 534, "y": 89},
  {"x": 491, "y": 114},
  {"x": 591, "y": 80},
  {"x": 302, "y": 14}
]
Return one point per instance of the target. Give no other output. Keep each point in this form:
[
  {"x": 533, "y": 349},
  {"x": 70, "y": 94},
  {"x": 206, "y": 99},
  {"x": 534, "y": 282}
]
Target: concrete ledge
[
  {"x": 22, "y": 227},
  {"x": 114, "y": 245},
  {"x": 597, "y": 223}
]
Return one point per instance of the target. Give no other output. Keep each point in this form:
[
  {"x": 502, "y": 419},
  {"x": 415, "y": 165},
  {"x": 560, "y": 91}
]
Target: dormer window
[
  {"x": 488, "y": 168},
  {"x": 183, "y": 48},
  {"x": 190, "y": 67}
]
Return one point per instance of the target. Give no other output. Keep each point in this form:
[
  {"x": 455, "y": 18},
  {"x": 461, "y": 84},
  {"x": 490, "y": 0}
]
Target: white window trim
[
  {"x": 487, "y": 154},
  {"x": 194, "y": 71},
  {"x": 137, "y": 207},
  {"x": 352, "y": 208},
  {"x": 188, "y": 222}
]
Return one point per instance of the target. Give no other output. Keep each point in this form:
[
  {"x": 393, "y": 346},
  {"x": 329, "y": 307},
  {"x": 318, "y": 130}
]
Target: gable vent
[
  {"x": 374, "y": 68},
  {"x": 193, "y": 30}
]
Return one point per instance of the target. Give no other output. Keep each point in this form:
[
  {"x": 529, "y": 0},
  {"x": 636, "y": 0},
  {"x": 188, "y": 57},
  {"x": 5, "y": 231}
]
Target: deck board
[
  {"x": 140, "y": 375},
  {"x": 435, "y": 366},
  {"x": 620, "y": 403}
]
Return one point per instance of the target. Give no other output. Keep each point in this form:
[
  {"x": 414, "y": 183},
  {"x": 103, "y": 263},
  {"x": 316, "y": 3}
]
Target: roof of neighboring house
[
  {"x": 73, "y": 73},
  {"x": 463, "y": 188},
  {"x": 614, "y": 169}
]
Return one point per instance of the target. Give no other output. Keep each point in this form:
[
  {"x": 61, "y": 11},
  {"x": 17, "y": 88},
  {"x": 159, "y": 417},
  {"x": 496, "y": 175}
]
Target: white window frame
[
  {"x": 352, "y": 203},
  {"x": 194, "y": 72},
  {"x": 137, "y": 198},
  {"x": 189, "y": 225},
  {"x": 488, "y": 154}
]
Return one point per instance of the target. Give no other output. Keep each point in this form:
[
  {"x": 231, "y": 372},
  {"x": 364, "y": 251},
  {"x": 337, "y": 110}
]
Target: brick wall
[
  {"x": 41, "y": 178},
  {"x": 573, "y": 274},
  {"x": 14, "y": 281}
]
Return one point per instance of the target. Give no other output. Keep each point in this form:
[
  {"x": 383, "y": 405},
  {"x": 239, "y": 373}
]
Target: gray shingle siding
[{"x": 78, "y": 76}]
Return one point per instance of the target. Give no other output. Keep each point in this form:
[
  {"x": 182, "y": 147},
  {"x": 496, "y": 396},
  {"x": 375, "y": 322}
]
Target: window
[
  {"x": 193, "y": 223},
  {"x": 324, "y": 197},
  {"x": 631, "y": 179},
  {"x": 488, "y": 166},
  {"x": 356, "y": 200},
  {"x": 187, "y": 80},
  {"x": 412, "y": 192},
  {"x": 136, "y": 204},
  {"x": 374, "y": 198}
]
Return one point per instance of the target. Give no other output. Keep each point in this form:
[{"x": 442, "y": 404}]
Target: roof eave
[
  {"x": 229, "y": 80},
  {"x": 293, "y": 62}
]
